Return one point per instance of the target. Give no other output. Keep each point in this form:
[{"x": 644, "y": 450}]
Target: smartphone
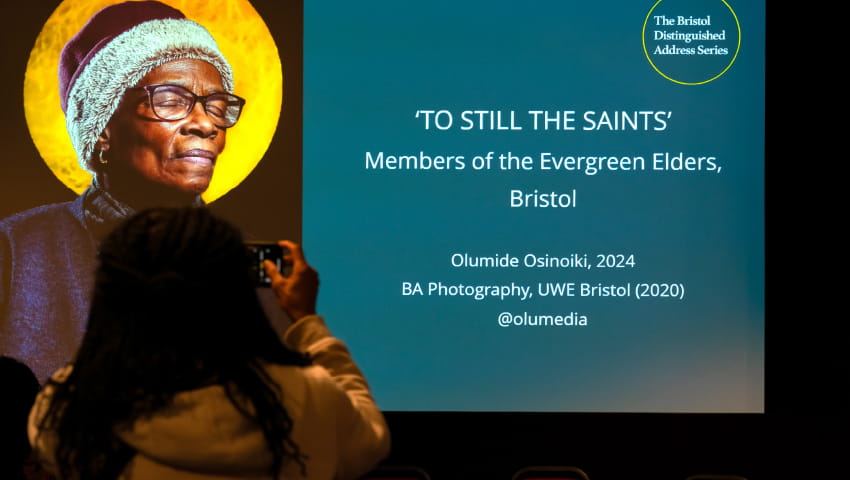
[{"x": 262, "y": 250}]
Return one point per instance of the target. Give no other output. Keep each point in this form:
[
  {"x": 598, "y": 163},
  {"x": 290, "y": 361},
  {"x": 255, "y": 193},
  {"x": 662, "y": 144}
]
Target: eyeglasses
[{"x": 173, "y": 102}]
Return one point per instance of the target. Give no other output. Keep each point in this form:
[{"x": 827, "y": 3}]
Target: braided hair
[{"x": 174, "y": 308}]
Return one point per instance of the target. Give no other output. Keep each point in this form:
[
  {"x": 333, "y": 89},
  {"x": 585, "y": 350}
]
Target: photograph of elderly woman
[{"x": 150, "y": 104}]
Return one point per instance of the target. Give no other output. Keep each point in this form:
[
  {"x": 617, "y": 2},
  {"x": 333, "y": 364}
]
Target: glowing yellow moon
[{"x": 243, "y": 38}]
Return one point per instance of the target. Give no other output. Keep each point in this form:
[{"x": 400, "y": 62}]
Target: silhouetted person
[{"x": 181, "y": 375}]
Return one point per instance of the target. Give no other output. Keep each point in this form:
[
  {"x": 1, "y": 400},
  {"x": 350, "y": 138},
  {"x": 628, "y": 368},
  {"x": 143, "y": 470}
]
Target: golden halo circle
[{"x": 243, "y": 38}]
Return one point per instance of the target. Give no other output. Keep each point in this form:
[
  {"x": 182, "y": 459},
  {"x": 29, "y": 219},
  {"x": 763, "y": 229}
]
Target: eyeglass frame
[{"x": 149, "y": 90}]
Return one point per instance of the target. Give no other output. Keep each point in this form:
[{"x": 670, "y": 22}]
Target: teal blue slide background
[{"x": 370, "y": 66}]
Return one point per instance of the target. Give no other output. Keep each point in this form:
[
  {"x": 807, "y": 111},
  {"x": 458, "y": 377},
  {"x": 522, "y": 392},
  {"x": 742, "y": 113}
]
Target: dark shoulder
[{"x": 51, "y": 217}]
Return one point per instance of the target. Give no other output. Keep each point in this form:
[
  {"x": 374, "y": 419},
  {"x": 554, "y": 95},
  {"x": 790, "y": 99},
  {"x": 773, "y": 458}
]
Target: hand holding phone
[
  {"x": 264, "y": 250},
  {"x": 297, "y": 286}
]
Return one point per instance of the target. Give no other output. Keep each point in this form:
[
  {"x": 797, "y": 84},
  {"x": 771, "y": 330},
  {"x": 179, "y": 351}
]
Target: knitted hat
[{"x": 118, "y": 46}]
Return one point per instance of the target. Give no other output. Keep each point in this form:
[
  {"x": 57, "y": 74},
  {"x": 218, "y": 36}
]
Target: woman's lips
[{"x": 198, "y": 156}]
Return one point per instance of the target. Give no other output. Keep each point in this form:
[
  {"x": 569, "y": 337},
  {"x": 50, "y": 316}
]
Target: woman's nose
[{"x": 198, "y": 122}]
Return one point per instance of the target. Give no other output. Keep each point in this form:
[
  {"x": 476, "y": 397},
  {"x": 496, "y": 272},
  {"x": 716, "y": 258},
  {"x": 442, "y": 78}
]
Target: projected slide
[{"x": 540, "y": 206}]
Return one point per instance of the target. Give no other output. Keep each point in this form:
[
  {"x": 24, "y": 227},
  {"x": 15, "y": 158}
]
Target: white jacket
[{"x": 201, "y": 435}]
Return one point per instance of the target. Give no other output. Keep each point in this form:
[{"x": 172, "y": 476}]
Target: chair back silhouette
[{"x": 550, "y": 472}]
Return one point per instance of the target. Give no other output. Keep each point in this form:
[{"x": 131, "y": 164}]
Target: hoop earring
[{"x": 100, "y": 158}]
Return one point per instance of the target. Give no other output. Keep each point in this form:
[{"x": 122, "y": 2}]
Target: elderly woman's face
[{"x": 178, "y": 154}]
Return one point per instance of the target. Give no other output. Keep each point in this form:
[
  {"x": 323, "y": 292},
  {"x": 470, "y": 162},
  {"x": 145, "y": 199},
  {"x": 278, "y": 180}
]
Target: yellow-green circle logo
[{"x": 691, "y": 42}]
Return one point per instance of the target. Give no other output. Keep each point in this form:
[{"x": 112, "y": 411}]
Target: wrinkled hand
[{"x": 297, "y": 292}]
